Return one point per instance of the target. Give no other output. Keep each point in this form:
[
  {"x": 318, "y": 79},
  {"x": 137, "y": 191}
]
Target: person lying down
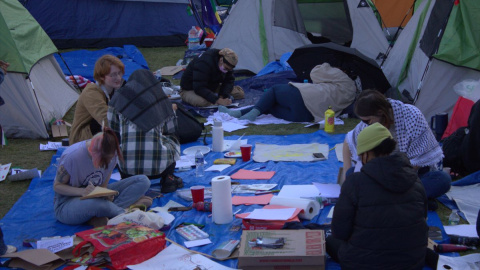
[{"x": 303, "y": 102}]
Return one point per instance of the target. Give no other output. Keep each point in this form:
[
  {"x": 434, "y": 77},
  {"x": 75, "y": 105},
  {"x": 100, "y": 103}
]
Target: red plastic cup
[
  {"x": 197, "y": 193},
  {"x": 246, "y": 150}
]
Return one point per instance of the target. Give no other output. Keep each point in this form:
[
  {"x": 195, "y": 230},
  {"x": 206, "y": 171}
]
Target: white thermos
[{"x": 217, "y": 137}]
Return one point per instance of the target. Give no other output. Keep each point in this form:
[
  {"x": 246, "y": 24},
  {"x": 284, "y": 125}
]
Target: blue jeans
[
  {"x": 283, "y": 101},
  {"x": 72, "y": 210},
  {"x": 436, "y": 183}
]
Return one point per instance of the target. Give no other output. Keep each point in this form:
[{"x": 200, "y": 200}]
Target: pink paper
[
  {"x": 252, "y": 175},
  {"x": 269, "y": 206},
  {"x": 249, "y": 200}
]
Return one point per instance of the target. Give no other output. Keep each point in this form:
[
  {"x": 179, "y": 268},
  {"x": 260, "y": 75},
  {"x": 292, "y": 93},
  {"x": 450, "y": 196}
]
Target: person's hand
[
  {"x": 224, "y": 101},
  {"x": 4, "y": 66},
  {"x": 174, "y": 106},
  {"x": 88, "y": 189}
]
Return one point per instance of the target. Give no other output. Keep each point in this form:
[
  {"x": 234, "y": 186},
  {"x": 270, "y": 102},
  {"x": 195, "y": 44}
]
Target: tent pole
[
  {"x": 38, "y": 104},
  {"x": 71, "y": 74},
  {"x": 390, "y": 46}
]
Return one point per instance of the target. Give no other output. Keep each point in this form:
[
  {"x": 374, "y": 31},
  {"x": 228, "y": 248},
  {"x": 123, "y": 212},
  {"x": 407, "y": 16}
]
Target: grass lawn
[{"x": 25, "y": 153}]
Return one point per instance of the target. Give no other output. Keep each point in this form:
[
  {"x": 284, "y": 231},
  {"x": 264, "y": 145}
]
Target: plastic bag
[
  {"x": 147, "y": 219},
  {"x": 469, "y": 89}
]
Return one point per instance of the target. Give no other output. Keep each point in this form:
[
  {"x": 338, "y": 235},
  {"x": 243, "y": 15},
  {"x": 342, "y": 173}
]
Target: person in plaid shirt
[{"x": 142, "y": 116}]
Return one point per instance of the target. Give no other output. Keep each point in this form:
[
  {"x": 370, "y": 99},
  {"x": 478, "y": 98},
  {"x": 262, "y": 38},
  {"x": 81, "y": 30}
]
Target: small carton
[
  {"x": 59, "y": 128},
  {"x": 303, "y": 249}
]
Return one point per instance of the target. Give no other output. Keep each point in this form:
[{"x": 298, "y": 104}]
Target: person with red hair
[{"x": 88, "y": 164}]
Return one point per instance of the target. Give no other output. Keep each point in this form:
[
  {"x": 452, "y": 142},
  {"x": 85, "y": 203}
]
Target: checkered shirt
[{"x": 148, "y": 153}]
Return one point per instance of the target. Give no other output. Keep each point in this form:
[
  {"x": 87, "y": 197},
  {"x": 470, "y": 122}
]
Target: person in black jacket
[
  {"x": 208, "y": 79},
  {"x": 379, "y": 221},
  {"x": 462, "y": 148}
]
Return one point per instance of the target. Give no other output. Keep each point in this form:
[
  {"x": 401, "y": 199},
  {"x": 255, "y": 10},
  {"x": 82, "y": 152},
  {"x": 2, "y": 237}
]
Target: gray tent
[
  {"x": 437, "y": 49},
  {"x": 35, "y": 90},
  {"x": 261, "y": 31}
]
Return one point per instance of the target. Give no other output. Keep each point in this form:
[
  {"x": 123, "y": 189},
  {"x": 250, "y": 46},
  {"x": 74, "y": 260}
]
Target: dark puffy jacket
[
  {"x": 470, "y": 148},
  {"x": 381, "y": 213},
  {"x": 203, "y": 76}
]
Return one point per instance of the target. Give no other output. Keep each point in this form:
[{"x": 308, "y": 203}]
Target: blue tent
[{"x": 105, "y": 23}]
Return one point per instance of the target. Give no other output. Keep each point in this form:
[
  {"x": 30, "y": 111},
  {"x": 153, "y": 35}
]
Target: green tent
[
  {"x": 35, "y": 90},
  {"x": 438, "y": 48}
]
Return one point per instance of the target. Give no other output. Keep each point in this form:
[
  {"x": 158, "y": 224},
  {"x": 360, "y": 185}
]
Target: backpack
[
  {"x": 188, "y": 128},
  {"x": 451, "y": 150}
]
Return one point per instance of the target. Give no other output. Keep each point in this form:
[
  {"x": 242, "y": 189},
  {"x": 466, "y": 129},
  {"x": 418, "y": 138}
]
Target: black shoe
[
  {"x": 432, "y": 205},
  {"x": 171, "y": 183}
]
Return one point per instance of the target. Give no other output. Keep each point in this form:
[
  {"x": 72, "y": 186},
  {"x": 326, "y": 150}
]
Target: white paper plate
[
  {"x": 192, "y": 150},
  {"x": 233, "y": 154}
]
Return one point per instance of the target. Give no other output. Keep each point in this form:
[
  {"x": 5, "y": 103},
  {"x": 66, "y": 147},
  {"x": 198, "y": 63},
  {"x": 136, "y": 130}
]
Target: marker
[{"x": 267, "y": 192}]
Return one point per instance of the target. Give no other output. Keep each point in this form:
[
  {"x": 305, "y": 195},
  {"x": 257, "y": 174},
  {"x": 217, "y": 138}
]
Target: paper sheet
[
  {"x": 252, "y": 175},
  {"x": 197, "y": 243},
  {"x": 293, "y": 152},
  {"x": 471, "y": 261},
  {"x": 328, "y": 190},
  {"x": 299, "y": 191},
  {"x": 467, "y": 200},
  {"x": 218, "y": 167},
  {"x": 249, "y": 200},
  {"x": 252, "y": 188},
  {"x": 4, "y": 171},
  {"x": 462, "y": 230},
  {"x": 339, "y": 151},
  {"x": 175, "y": 257},
  {"x": 228, "y": 144},
  {"x": 56, "y": 244},
  {"x": 50, "y": 146},
  {"x": 272, "y": 214}
]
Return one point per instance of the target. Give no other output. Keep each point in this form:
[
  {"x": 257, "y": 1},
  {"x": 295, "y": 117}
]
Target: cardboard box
[
  {"x": 303, "y": 249},
  {"x": 59, "y": 130}
]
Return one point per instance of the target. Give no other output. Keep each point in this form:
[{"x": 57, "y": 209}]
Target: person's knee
[
  {"x": 142, "y": 182},
  {"x": 436, "y": 183}
]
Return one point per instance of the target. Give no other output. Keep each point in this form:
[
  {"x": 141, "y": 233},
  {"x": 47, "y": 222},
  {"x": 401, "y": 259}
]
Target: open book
[{"x": 99, "y": 192}]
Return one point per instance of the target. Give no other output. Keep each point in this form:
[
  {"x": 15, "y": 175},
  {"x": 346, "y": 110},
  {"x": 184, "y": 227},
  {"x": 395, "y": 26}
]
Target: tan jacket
[
  {"x": 92, "y": 104},
  {"x": 330, "y": 87}
]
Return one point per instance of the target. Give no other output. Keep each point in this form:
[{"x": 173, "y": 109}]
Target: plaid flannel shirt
[{"x": 148, "y": 153}]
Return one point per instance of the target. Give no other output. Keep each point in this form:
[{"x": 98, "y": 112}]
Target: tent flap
[{"x": 460, "y": 44}]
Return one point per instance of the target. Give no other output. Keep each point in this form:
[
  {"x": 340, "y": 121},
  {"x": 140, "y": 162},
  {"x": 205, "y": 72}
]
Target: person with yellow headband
[
  {"x": 379, "y": 220},
  {"x": 208, "y": 79}
]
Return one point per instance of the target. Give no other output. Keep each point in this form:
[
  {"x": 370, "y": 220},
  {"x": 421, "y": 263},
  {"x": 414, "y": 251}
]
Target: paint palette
[{"x": 191, "y": 232}]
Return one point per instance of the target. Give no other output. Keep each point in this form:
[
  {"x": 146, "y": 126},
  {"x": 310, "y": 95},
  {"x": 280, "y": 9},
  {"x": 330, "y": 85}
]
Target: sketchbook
[{"x": 99, "y": 192}]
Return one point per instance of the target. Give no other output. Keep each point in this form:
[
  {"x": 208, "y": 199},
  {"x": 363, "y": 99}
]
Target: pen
[
  {"x": 258, "y": 168},
  {"x": 332, "y": 148},
  {"x": 267, "y": 192}
]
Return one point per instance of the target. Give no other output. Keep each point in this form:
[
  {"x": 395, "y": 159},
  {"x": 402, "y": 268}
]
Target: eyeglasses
[{"x": 116, "y": 74}]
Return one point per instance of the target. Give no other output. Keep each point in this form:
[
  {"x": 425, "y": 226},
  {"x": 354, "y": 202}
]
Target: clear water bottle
[
  {"x": 199, "y": 163},
  {"x": 454, "y": 218}
]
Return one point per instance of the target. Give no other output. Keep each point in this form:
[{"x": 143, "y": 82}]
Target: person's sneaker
[
  {"x": 171, "y": 183},
  {"x": 432, "y": 205}
]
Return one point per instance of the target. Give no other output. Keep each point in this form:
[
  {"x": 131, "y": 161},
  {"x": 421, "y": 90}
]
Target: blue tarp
[
  {"x": 32, "y": 216},
  {"x": 82, "y": 62},
  {"x": 104, "y": 23}
]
